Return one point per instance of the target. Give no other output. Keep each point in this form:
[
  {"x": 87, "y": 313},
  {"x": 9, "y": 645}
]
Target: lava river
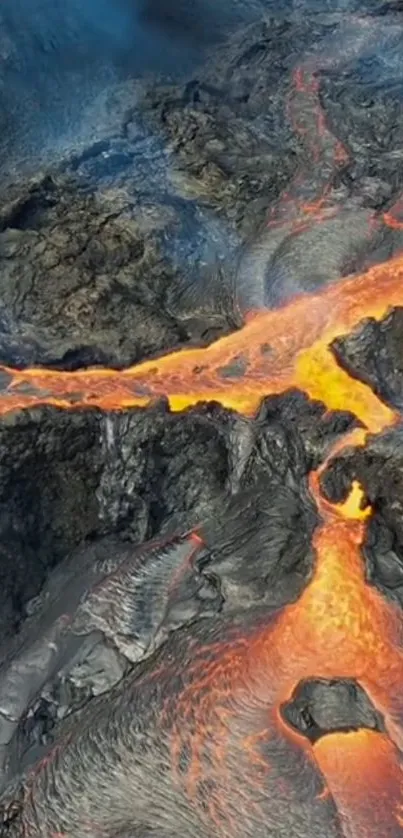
[{"x": 341, "y": 626}]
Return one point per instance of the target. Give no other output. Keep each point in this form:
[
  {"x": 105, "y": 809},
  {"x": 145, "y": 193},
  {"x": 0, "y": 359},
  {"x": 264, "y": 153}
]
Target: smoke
[
  {"x": 55, "y": 59},
  {"x": 57, "y": 71},
  {"x": 58, "y": 56}
]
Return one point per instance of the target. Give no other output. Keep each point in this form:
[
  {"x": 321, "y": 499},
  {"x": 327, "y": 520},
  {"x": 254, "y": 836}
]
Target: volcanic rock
[
  {"x": 373, "y": 353},
  {"x": 379, "y": 469},
  {"x": 155, "y": 565},
  {"x": 321, "y": 707},
  {"x": 77, "y": 475}
]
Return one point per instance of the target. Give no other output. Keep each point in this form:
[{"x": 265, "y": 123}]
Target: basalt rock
[
  {"x": 178, "y": 654},
  {"x": 321, "y": 707},
  {"x": 78, "y": 475}
]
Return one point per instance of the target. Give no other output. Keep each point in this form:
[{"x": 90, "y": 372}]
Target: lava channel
[
  {"x": 274, "y": 351},
  {"x": 365, "y": 777},
  {"x": 340, "y": 627}
]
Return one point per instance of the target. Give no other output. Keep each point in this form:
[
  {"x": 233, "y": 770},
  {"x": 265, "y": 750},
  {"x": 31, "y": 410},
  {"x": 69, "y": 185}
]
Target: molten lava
[
  {"x": 274, "y": 351},
  {"x": 365, "y": 777},
  {"x": 340, "y": 626}
]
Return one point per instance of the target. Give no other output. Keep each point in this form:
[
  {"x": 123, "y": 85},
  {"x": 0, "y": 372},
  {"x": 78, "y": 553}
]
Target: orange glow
[
  {"x": 353, "y": 506},
  {"x": 365, "y": 775},
  {"x": 277, "y": 350},
  {"x": 227, "y": 710},
  {"x": 394, "y": 218},
  {"x": 322, "y": 150},
  {"x": 340, "y": 626}
]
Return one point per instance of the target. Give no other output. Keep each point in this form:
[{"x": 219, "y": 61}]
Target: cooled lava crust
[{"x": 221, "y": 654}]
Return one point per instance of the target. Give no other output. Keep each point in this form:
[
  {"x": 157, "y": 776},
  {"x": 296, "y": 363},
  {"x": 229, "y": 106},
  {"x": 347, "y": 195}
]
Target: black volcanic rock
[
  {"x": 50, "y": 469},
  {"x": 379, "y": 469},
  {"x": 373, "y": 353},
  {"x": 145, "y": 231},
  {"x": 320, "y": 707},
  {"x": 84, "y": 279},
  {"x": 68, "y": 476}
]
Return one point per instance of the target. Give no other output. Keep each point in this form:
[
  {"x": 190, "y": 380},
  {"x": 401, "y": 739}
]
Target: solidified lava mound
[{"x": 201, "y": 479}]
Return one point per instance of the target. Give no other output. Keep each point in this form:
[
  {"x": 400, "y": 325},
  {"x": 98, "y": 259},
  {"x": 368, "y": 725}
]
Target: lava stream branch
[
  {"x": 324, "y": 154},
  {"x": 365, "y": 777},
  {"x": 339, "y": 628},
  {"x": 274, "y": 351}
]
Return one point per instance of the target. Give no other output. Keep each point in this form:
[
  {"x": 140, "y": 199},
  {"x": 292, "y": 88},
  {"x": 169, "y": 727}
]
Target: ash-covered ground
[{"x": 142, "y": 154}]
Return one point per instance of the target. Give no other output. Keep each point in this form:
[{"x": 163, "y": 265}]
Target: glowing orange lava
[
  {"x": 275, "y": 350},
  {"x": 340, "y": 626},
  {"x": 365, "y": 775}
]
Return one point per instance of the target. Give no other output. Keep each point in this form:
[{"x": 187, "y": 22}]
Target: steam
[
  {"x": 61, "y": 70},
  {"x": 59, "y": 57},
  {"x": 58, "y": 62}
]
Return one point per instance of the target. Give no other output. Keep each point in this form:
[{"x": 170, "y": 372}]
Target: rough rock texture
[
  {"x": 318, "y": 707},
  {"x": 83, "y": 280},
  {"x": 378, "y": 467},
  {"x": 50, "y": 469},
  {"x": 374, "y": 354},
  {"x": 141, "y": 551},
  {"x": 62, "y": 481},
  {"x": 136, "y": 242},
  {"x": 69, "y": 476}
]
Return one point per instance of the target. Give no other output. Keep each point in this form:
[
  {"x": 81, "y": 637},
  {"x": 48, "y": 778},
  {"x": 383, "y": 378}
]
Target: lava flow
[
  {"x": 365, "y": 778},
  {"x": 274, "y": 351},
  {"x": 340, "y": 627}
]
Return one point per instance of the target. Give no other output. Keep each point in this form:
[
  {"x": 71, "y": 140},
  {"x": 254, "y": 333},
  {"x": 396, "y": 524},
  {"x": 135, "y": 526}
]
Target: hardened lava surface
[{"x": 205, "y": 514}]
